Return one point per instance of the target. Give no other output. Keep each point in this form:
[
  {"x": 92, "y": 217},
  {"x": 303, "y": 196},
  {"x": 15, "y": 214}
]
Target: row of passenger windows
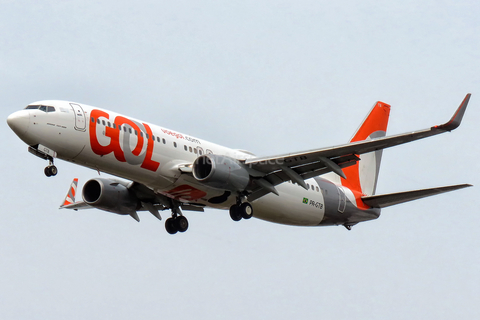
[
  {"x": 126, "y": 128},
  {"x": 41, "y": 108},
  {"x": 314, "y": 188}
]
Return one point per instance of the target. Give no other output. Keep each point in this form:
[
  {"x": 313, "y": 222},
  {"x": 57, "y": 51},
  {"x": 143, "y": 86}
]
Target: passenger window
[
  {"x": 108, "y": 124},
  {"x": 114, "y": 126},
  {"x": 158, "y": 139},
  {"x": 195, "y": 150},
  {"x": 190, "y": 148},
  {"x": 141, "y": 134},
  {"x": 308, "y": 186},
  {"x": 317, "y": 189},
  {"x": 103, "y": 122},
  {"x": 164, "y": 142},
  {"x": 313, "y": 188},
  {"x": 175, "y": 144},
  {"x": 93, "y": 119},
  {"x": 185, "y": 147},
  {"x": 98, "y": 121}
]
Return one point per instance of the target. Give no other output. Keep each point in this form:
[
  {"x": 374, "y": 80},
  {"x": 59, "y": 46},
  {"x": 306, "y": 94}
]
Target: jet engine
[
  {"x": 221, "y": 172},
  {"x": 109, "y": 195}
]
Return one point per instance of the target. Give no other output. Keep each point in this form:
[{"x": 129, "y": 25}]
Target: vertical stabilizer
[{"x": 362, "y": 177}]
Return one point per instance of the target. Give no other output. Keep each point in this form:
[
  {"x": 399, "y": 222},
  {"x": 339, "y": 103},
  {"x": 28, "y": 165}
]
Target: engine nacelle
[
  {"x": 109, "y": 195},
  {"x": 221, "y": 172}
]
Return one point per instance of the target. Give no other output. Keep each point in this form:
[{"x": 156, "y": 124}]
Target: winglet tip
[{"x": 456, "y": 119}]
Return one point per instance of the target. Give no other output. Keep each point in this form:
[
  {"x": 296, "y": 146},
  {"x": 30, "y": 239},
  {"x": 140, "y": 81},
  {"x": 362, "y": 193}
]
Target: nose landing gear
[
  {"x": 50, "y": 170},
  {"x": 45, "y": 154}
]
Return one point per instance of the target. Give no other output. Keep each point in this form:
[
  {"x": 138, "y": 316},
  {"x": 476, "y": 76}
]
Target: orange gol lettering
[{"x": 115, "y": 144}]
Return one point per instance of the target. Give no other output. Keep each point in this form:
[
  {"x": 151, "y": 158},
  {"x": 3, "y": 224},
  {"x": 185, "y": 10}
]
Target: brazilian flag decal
[{"x": 305, "y": 200}]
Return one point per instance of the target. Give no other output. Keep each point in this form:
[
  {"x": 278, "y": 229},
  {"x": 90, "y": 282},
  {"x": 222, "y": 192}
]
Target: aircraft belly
[{"x": 294, "y": 206}]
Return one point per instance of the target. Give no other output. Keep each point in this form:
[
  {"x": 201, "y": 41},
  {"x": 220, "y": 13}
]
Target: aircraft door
[{"x": 80, "y": 122}]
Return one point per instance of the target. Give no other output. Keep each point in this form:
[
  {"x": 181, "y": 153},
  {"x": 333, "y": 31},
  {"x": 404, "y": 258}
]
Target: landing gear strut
[
  {"x": 241, "y": 210},
  {"x": 177, "y": 223},
  {"x": 45, "y": 154}
]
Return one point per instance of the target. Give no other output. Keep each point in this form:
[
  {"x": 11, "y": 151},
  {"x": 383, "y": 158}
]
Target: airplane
[{"x": 169, "y": 170}]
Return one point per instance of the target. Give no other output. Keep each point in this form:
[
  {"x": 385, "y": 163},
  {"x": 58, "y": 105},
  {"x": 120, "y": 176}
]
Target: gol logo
[{"x": 125, "y": 154}]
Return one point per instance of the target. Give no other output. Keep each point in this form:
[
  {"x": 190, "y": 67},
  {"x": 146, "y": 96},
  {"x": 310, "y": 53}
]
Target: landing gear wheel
[
  {"x": 170, "y": 226},
  {"x": 53, "y": 170},
  {"x": 235, "y": 213},
  {"x": 246, "y": 210},
  {"x": 181, "y": 223},
  {"x": 50, "y": 171}
]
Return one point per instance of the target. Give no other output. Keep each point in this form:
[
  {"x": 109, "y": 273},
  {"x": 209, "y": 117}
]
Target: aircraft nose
[{"x": 19, "y": 122}]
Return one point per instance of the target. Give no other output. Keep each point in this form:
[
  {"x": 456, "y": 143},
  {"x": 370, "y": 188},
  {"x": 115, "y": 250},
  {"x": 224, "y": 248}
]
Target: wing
[{"x": 297, "y": 167}]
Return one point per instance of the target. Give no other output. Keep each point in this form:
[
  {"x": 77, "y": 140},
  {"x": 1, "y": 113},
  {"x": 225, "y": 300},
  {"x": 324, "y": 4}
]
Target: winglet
[
  {"x": 70, "y": 198},
  {"x": 457, "y": 117}
]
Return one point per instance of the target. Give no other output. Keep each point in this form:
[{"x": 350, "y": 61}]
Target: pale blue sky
[{"x": 266, "y": 76}]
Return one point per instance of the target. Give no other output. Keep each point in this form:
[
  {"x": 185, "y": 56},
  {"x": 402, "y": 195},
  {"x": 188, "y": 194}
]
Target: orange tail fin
[{"x": 362, "y": 177}]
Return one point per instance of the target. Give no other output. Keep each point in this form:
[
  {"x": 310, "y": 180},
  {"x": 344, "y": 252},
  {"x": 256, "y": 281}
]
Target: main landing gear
[
  {"x": 241, "y": 210},
  {"x": 177, "y": 223}
]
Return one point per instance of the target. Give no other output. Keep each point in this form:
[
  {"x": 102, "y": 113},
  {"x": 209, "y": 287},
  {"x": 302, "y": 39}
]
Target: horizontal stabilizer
[
  {"x": 386, "y": 200},
  {"x": 76, "y": 206}
]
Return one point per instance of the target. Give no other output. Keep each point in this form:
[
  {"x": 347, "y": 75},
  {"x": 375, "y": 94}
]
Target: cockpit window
[{"x": 41, "y": 108}]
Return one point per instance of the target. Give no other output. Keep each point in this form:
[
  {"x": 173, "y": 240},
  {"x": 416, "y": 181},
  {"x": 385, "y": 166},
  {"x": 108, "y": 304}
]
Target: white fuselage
[{"x": 153, "y": 156}]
